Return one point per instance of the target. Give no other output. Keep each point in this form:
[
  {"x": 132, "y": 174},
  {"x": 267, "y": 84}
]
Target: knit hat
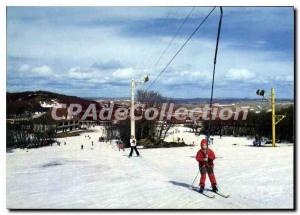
[{"x": 203, "y": 142}]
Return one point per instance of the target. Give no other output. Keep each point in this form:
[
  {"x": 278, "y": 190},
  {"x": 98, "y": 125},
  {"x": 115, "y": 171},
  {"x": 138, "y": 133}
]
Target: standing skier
[
  {"x": 205, "y": 157},
  {"x": 133, "y": 146}
]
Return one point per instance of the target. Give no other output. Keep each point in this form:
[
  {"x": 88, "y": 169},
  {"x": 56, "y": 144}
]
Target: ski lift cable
[
  {"x": 179, "y": 50},
  {"x": 171, "y": 41},
  {"x": 148, "y": 56},
  {"x": 173, "y": 38}
]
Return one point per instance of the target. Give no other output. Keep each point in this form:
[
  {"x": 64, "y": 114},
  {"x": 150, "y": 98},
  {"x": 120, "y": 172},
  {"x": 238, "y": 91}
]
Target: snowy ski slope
[{"x": 100, "y": 176}]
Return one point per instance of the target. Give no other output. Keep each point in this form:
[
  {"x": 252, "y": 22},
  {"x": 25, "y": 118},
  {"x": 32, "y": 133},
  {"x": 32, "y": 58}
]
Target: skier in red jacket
[{"x": 205, "y": 157}]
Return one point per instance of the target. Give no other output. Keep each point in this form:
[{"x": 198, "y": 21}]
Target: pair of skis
[
  {"x": 210, "y": 193},
  {"x": 219, "y": 193}
]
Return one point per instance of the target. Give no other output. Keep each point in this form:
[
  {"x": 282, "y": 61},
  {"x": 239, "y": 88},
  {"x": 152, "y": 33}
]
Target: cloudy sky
[{"x": 96, "y": 51}]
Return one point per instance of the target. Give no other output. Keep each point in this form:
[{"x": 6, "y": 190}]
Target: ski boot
[
  {"x": 201, "y": 189},
  {"x": 215, "y": 189}
]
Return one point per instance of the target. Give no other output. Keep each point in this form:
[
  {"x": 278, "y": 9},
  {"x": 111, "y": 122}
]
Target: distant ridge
[
  {"x": 20, "y": 102},
  {"x": 197, "y": 100}
]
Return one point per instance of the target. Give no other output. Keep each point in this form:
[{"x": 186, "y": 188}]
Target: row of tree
[
  {"x": 257, "y": 124},
  {"x": 30, "y": 133}
]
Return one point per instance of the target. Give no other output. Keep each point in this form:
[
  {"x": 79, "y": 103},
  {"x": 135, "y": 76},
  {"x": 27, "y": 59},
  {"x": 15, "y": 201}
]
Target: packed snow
[
  {"x": 102, "y": 177},
  {"x": 53, "y": 104},
  {"x": 182, "y": 133}
]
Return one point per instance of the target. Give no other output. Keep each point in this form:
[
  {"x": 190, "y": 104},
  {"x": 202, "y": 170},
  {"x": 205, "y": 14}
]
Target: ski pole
[{"x": 194, "y": 179}]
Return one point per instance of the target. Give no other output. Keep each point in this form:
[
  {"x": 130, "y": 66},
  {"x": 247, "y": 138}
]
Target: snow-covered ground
[
  {"x": 182, "y": 133},
  {"x": 100, "y": 176},
  {"x": 54, "y": 103}
]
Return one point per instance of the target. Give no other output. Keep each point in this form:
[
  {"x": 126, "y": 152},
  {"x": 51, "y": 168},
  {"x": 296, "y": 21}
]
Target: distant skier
[
  {"x": 210, "y": 140},
  {"x": 81, "y": 147},
  {"x": 133, "y": 146},
  {"x": 120, "y": 145},
  {"x": 205, "y": 157},
  {"x": 257, "y": 141}
]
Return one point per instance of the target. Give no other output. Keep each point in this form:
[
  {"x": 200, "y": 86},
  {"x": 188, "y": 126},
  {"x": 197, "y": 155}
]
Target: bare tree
[
  {"x": 157, "y": 130},
  {"x": 151, "y": 98}
]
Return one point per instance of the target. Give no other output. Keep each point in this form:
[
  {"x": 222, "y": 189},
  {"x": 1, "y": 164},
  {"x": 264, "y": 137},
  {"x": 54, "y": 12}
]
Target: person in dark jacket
[
  {"x": 205, "y": 158},
  {"x": 257, "y": 141}
]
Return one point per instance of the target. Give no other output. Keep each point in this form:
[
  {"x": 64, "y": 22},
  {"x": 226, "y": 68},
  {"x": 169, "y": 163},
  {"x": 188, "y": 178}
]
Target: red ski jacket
[{"x": 201, "y": 155}]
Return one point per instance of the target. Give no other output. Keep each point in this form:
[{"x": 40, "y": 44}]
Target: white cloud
[
  {"x": 24, "y": 68},
  {"x": 125, "y": 73},
  {"x": 81, "y": 73},
  {"x": 288, "y": 78},
  {"x": 42, "y": 71},
  {"x": 186, "y": 77},
  {"x": 94, "y": 75},
  {"x": 87, "y": 76},
  {"x": 239, "y": 75}
]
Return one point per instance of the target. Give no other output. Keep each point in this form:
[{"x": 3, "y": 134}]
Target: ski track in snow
[{"x": 100, "y": 176}]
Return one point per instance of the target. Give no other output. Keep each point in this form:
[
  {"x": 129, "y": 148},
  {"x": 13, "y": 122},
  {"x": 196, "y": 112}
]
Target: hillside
[{"x": 39, "y": 101}]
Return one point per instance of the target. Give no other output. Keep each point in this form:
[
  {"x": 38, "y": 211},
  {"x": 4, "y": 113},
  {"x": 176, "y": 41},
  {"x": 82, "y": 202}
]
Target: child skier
[{"x": 205, "y": 157}]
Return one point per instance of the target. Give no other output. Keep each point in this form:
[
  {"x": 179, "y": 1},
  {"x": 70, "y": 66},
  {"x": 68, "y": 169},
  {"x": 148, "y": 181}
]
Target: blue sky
[{"x": 95, "y": 51}]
